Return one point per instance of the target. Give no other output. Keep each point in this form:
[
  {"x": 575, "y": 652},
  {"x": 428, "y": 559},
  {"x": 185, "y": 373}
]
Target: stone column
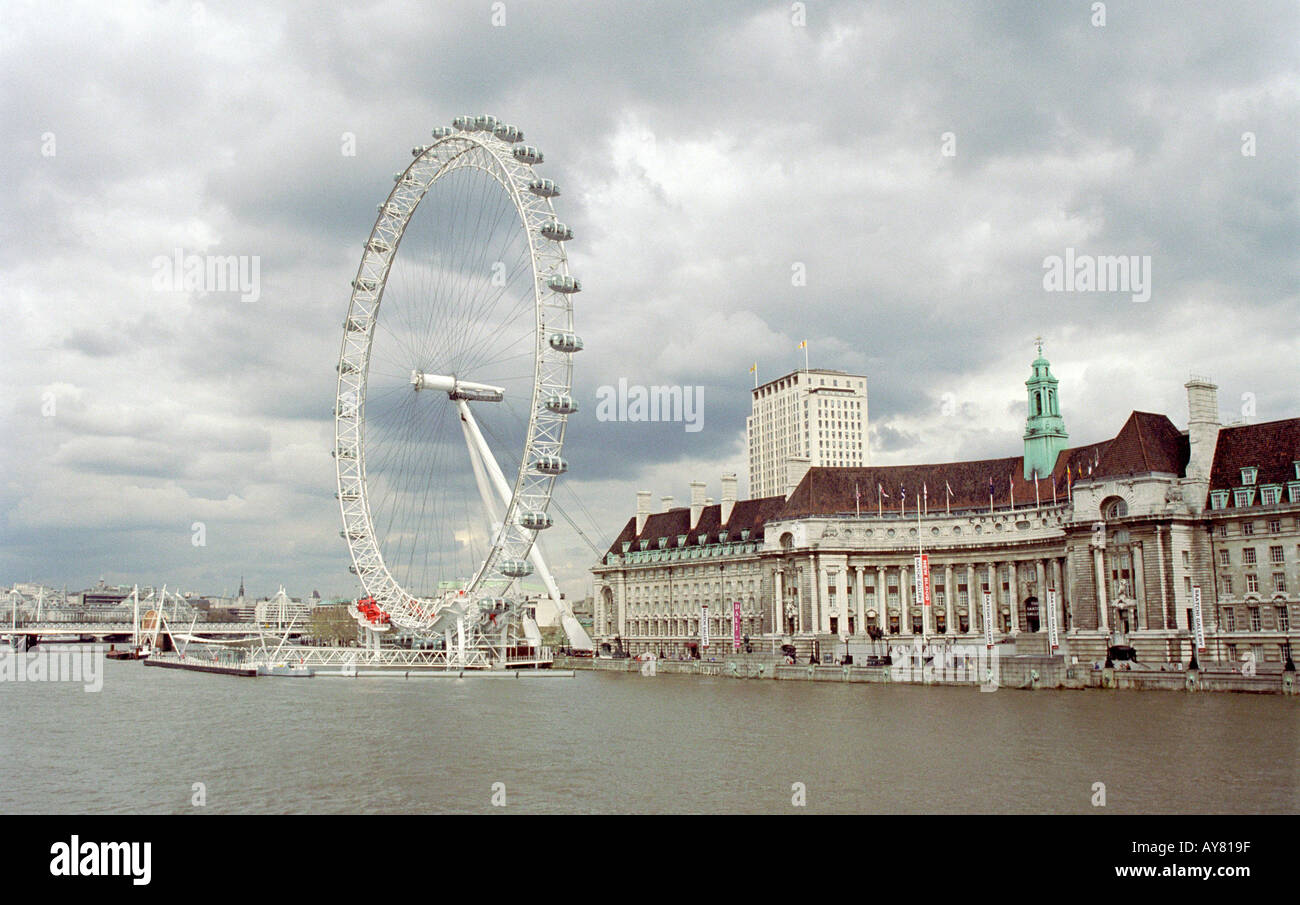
[
  {"x": 778, "y": 582},
  {"x": 1013, "y": 580},
  {"x": 1139, "y": 585},
  {"x": 1040, "y": 591},
  {"x": 1099, "y": 576},
  {"x": 882, "y": 610},
  {"x": 860, "y": 604},
  {"x": 972, "y": 595},
  {"x": 949, "y": 592},
  {"x": 1164, "y": 591}
]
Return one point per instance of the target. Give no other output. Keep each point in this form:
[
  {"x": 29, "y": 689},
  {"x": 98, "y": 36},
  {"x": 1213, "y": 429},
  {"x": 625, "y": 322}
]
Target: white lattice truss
[{"x": 552, "y": 375}]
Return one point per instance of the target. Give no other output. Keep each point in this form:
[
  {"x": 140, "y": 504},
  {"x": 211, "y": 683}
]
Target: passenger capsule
[
  {"x": 442, "y": 132},
  {"x": 565, "y": 342},
  {"x": 463, "y": 123},
  {"x": 378, "y": 246},
  {"x": 365, "y": 285},
  {"x": 486, "y": 123},
  {"x": 550, "y": 465},
  {"x": 544, "y": 188},
  {"x": 557, "y": 231},
  {"x": 418, "y": 150},
  {"x": 561, "y": 404},
  {"x": 515, "y": 568},
  {"x": 355, "y": 325},
  {"x": 536, "y": 521},
  {"x": 564, "y": 284},
  {"x": 528, "y": 154},
  {"x": 507, "y": 133},
  {"x": 346, "y": 367}
]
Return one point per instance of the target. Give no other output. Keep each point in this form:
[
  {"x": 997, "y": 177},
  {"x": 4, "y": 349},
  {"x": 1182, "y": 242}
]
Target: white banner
[
  {"x": 704, "y": 625},
  {"x": 1052, "y": 638},
  {"x": 735, "y": 625},
  {"x": 1198, "y": 627},
  {"x": 988, "y": 619}
]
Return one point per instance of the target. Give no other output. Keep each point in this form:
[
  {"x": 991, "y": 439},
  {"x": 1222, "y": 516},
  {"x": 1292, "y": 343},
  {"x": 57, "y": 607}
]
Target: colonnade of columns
[{"x": 827, "y": 587}]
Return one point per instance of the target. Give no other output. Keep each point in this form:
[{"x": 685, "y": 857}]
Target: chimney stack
[
  {"x": 642, "y": 509},
  {"x": 668, "y": 503},
  {"x": 1202, "y": 427},
  {"x": 728, "y": 496},
  {"x": 697, "y": 502}
]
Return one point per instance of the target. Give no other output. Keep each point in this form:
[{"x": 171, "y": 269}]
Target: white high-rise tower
[{"x": 807, "y": 418}]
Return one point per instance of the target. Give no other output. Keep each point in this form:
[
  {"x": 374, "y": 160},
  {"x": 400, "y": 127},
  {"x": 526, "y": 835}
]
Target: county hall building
[{"x": 1125, "y": 531}]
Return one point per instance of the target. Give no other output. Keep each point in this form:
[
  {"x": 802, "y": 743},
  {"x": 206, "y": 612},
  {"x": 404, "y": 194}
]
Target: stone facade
[{"x": 1121, "y": 534}]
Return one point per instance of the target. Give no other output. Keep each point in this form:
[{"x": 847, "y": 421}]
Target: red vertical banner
[
  {"x": 921, "y": 568},
  {"x": 735, "y": 625}
]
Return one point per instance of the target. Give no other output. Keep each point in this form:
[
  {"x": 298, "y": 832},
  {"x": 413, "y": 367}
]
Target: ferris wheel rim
[{"x": 551, "y": 371}]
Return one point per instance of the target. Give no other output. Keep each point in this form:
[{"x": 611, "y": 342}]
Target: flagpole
[{"x": 805, "y": 355}]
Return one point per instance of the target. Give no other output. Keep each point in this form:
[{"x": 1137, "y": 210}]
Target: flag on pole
[
  {"x": 753, "y": 369},
  {"x": 948, "y": 489},
  {"x": 1053, "y": 488},
  {"x": 925, "y": 498},
  {"x": 857, "y": 498},
  {"x": 1037, "y": 502},
  {"x": 880, "y": 492},
  {"x": 804, "y": 345},
  {"x": 1011, "y": 486},
  {"x": 990, "y": 494},
  {"x": 902, "y": 500}
]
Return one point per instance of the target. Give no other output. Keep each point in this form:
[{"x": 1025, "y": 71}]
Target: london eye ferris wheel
[{"x": 454, "y": 383}]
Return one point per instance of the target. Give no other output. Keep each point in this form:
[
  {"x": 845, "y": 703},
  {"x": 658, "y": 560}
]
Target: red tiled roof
[
  {"x": 1272, "y": 447},
  {"x": 745, "y": 514},
  {"x": 1147, "y": 442}
]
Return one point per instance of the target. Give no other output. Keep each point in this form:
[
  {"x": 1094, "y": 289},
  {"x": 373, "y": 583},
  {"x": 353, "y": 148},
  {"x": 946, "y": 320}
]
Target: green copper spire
[{"x": 1045, "y": 434}]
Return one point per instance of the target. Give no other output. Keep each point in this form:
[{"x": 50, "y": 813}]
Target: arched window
[{"x": 1114, "y": 507}]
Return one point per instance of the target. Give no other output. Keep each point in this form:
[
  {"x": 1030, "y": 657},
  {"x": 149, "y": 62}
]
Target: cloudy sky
[{"x": 917, "y": 161}]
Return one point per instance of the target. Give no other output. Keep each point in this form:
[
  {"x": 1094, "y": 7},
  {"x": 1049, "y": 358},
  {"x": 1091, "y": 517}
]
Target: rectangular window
[
  {"x": 1219, "y": 499},
  {"x": 1254, "y": 619},
  {"x": 1293, "y": 491},
  {"x": 1248, "y": 555},
  {"x": 1270, "y": 495},
  {"x": 1252, "y": 583},
  {"x": 1225, "y": 558},
  {"x": 1227, "y": 585},
  {"x": 1275, "y": 555},
  {"x": 1248, "y": 527},
  {"x": 1187, "y": 586},
  {"x": 1248, "y": 475},
  {"x": 1223, "y": 530},
  {"x": 1284, "y": 618},
  {"x": 1275, "y": 526},
  {"x": 1230, "y": 619},
  {"x": 1187, "y": 560},
  {"x": 1279, "y": 581},
  {"x": 1242, "y": 498}
]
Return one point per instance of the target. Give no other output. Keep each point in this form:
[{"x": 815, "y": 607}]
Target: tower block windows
[{"x": 1045, "y": 434}]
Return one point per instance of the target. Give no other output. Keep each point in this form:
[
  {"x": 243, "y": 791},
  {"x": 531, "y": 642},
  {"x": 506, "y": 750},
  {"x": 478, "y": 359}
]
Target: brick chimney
[
  {"x": 795, "y": 469},
  {"x": 697, "y": 502},
  {"x": 642, "y": 509},
  {"x": 668, "y": 503},
  {"x": 729, "y": 484}
]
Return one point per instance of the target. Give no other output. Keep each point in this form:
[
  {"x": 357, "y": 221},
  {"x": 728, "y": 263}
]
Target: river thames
[{"x": 607, "y": 742}]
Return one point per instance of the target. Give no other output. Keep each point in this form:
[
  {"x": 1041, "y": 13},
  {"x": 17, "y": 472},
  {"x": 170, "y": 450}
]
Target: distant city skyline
[{"x": 901, "y": 196}]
